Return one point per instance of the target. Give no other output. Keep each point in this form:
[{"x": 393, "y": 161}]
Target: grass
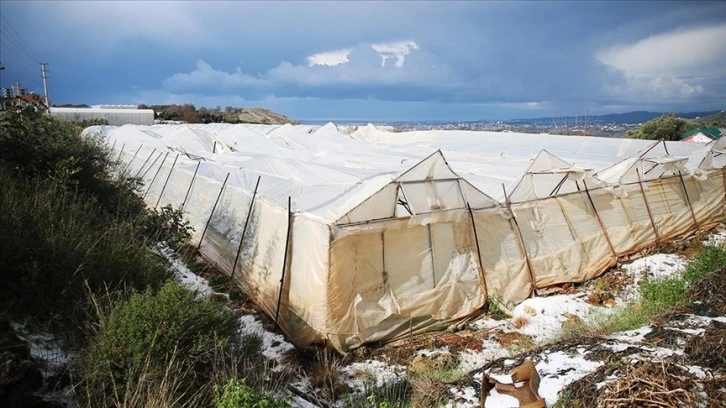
[
  {"x": 494, "y": 309},
  {"x": 658, "y": 296},
  {"x": 395, "y": 394},
  {"x": 56, "y": 243}
]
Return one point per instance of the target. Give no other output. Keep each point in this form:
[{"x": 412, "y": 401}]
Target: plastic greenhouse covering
[{"x": 353, "y": 235}]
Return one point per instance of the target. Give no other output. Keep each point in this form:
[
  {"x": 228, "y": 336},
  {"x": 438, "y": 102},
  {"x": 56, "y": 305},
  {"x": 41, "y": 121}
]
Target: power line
[
  {"x": 15, "y": 45},
  {"x": 20, "y": 58},
  {"x": 32, "y": 54}
]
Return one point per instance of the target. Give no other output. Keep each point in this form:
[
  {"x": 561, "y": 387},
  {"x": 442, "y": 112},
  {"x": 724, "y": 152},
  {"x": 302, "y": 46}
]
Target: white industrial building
[{"x": 113, "y": 114}]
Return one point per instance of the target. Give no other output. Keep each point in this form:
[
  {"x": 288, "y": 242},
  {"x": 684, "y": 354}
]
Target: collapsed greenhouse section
[{"x": 347, "y": 236}]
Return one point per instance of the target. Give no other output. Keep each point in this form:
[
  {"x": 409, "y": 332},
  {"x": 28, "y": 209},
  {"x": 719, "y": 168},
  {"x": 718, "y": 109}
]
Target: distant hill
[
  {"x": 190, "y": 114},
  {"x": 628, "y": 117},
  {"x": 717, "y": 120},
  {"x": 261, "y": 115}
]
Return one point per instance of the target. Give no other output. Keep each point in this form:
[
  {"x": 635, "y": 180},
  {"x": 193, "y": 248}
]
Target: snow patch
[
  {"x": 545, "y": 315},
  {"x": 187, "y": 278},
  {"x": 557, "y": 370},
  {"x": 46, "y": 348},
  {"x": 359, "y": 375},
  {"x": 649, "y": 267},
  {"x": 274, "y": 346}
]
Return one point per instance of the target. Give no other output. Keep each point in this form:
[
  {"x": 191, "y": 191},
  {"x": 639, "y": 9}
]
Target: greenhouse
[{"x": 355, "y": 235}]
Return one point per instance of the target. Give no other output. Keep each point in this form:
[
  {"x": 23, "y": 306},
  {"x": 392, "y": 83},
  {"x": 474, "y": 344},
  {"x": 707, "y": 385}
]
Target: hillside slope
[{"x": 265, "y": 116}]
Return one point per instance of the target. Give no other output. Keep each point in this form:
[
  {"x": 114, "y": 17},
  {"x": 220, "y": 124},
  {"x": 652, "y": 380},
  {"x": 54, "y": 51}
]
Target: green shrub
[
  {"x": 55, "y": 242},
  {"x": 150, "y": 329},
  {"x": 168, "y": 226},
  {"x": 237, "y": 394},
  {"x": 33, "y": 144},
  {"x": 661, "y": 294},
  {"x": 710, "y": 259},
  {"x": 494, "y": 310},
  {"x": 250, "y": 346},
  {"x": 157, "y": 323}
]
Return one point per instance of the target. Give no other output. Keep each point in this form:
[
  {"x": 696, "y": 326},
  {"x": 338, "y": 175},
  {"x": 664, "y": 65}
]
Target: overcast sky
[{"x": 374, "y": 60}]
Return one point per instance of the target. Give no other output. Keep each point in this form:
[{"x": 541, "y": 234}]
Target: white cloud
[
  {"x": 204, "y": 76},
  {"x": 526, "y": 105},
  {"x": 359, "y": 66},
  {"x": 396, "y": 49},
  {"x": 330, "y": 58},
  {"x": 689, "y": 52},
  {"x": 674, "y": 65}
]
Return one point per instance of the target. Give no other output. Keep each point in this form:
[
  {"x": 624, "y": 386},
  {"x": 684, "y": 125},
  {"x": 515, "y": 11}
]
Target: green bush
[
  {"x": 494, "y": 309},
  {"x": 168, "y": 226},
  {"x": 237, "y": 394},
  {"x": 35, "y": 145},
  {"x": 661, "y": 294},
  {"x": 57, "y": 244},
  {"x": 151, "y": 328},
  {"x": 667, "y": 127},
  {"x": 710, "y": 259}
]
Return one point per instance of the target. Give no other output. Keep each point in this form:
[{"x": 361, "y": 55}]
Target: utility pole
[{"x": 44, "y": 75}]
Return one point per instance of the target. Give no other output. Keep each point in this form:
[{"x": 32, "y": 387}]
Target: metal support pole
[
  {"x": 211, "y": 214},
  {"x": 284, "y": 260},
  {"x": 189, "y": 190},
  {"x": 167, "y": 180},
  {"x": 521, "y": 242},
  {"x": 244, "y": 229},
  {"x": 599, "y": 221},
  {"x": 647, "y": 207}
]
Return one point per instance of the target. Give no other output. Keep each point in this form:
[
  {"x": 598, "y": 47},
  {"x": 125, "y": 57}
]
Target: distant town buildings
[
  {"x": 701, "y": 135},
  {"x": 16, "y": 97}
]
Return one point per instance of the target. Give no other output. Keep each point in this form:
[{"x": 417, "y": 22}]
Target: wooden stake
[
  {"x": 521, "y": 242},
  {"x": 244, "y": 229},
  {"x": 132, "y": 159},
  {"x": 214, "y": 207},
  {"x": 647, "y": 207},
  {"x": 123, "y": 146},
  {"x": 478, "y": 251},
  {"x": 155, "y": 175},
  {"x": 189, "y": 190},
  {"x": 151, "y": 165},
  {"x": 284, "y": 260},
  {"x": 599, "y": 221},
  {"x": 167, "y": 180},
  {"x": 688, "y": 200},
  {"x": 431, "y": 251},
  {"x": 144, "y": 164}
]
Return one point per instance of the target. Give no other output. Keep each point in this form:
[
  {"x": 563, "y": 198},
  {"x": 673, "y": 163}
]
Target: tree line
[{"x": 670, "y": 127}]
